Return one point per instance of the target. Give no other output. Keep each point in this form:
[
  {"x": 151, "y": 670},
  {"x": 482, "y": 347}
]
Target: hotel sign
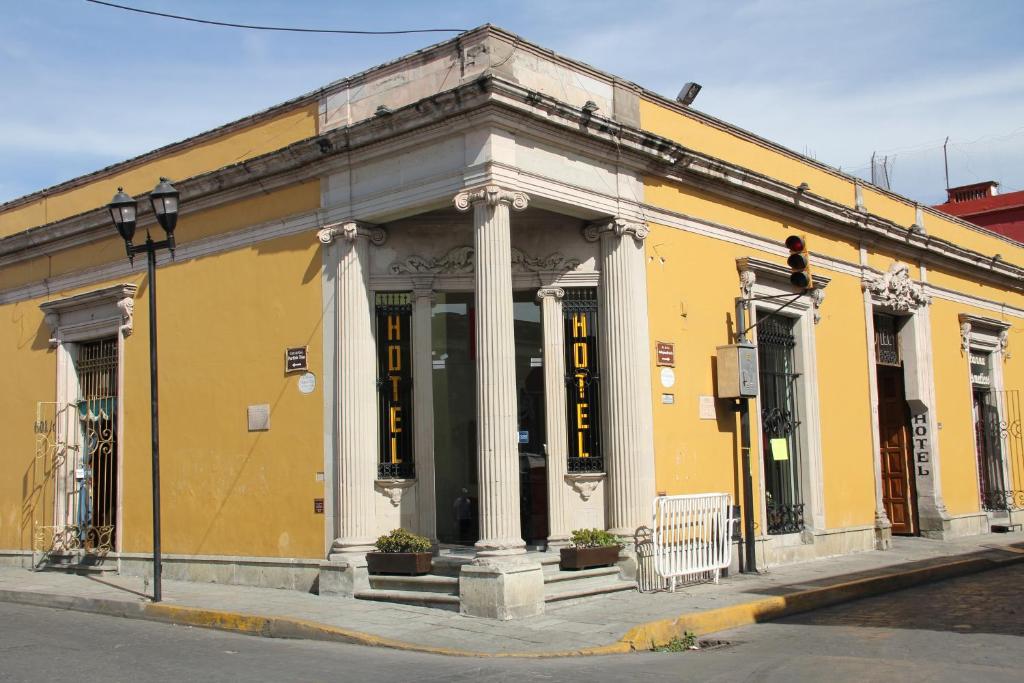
[
  {"x": 582, "y": 389},
  {"x": 394, "y": 385}
]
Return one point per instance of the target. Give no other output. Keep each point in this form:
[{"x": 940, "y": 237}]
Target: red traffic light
[
  {"x": 799, "y": 262},
  {"x": 795, "y": 243}
]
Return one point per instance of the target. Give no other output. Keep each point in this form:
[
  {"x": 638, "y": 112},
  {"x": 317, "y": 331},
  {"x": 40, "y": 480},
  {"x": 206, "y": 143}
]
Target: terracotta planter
[
  {"x": 584, "y": 558},
  {"x": 410, "y": 564}
]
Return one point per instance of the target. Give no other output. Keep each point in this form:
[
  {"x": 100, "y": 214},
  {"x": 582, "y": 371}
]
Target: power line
[{"x": 274, "y": 28}]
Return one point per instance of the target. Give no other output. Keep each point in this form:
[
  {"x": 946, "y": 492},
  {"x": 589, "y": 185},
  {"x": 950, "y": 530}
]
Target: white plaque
[
  {"x": 707, "y": 408},
  {"x": 307, "y": 383},
  {"x": 259, "y": 418},
  {"x": 668, "y": 377},
  {"x": 668, "y": 398}
]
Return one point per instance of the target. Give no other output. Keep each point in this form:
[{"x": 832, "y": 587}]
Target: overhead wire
[{"x": 256, "y": 27}]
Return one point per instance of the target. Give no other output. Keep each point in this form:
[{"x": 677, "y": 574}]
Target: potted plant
[
  {"x": 591, "y": 548},
  {"x": 400, "y": 552}
]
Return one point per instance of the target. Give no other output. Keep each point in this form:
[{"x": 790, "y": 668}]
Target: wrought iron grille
[
  {"x": 94, "y": 493},
  {"x": 394, "y": 385},
  {"x": 582, "y": 380},
  {"x": 1000, "y": 446},
  {"x": 887, "y": 344},
  {"x": 780, "y": 422}
]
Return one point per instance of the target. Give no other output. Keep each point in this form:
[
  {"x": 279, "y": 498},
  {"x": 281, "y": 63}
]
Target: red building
[{"x": 982, "y": 205}]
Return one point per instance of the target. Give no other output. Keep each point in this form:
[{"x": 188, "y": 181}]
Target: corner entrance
[{"x": 453, "y": 346}]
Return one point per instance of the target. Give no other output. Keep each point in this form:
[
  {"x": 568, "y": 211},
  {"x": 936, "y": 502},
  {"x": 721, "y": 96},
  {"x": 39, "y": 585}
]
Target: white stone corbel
[
  {"x": 394, "y": 489},
  {"x": 127, "y": 308},
  {"x": 965, "y": 336},
  {"x": 584, "y": 484},
  {"x": 817, "y": 299},
  {"x": 748, "y": 278},
  {"x": 1004, "y": 343}
]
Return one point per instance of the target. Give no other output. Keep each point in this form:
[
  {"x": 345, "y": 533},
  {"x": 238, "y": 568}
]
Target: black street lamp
[{"x": 123, "y": 211}]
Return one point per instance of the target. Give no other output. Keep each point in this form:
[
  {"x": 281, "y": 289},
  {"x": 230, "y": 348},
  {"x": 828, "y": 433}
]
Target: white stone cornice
[
  {"x": 492, "y": 195},
  {"x": 618, "y": 227},
  {"x": 896, "y": 289},
  {"x": 110, "y": 307},
  {"x": 974, "y": 326},
  {"x": 351, "y": 230},
  {"x": 553, "y": 292}
]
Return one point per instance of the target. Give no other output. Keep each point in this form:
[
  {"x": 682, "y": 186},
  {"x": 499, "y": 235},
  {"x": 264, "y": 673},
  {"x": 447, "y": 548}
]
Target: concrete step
[
  {"x": 429, "y": 583},
  {"x": 421, "y": 598},
  {"x": 560, "y": 576},
  {"x": 572, "y": 591}
]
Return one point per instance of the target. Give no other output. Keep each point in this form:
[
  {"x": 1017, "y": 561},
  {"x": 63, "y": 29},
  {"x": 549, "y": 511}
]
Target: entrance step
[
  {"x": 406, "y": 597},
  {"x": 78, "y": 568},
  {"x": 429, "y": 583},
  {"x": 569, "y": 585},
  {"x": 573, "y": 592}
]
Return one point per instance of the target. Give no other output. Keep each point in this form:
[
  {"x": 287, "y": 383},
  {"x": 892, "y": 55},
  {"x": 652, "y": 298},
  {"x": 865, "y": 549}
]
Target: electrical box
[{"x": 737, "y": 370}]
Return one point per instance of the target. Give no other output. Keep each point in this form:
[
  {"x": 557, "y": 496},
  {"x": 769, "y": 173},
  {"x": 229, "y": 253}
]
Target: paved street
[{"x": 964, "y": 629}]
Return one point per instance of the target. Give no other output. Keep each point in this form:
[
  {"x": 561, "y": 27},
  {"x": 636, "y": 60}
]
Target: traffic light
[{"x": 799, "y": 262}]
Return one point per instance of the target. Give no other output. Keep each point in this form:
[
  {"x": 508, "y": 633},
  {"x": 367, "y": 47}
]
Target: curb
[{"x": 642, "y": 637}]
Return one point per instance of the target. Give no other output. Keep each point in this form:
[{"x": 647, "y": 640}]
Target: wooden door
[{"x": 897, "y": 471}]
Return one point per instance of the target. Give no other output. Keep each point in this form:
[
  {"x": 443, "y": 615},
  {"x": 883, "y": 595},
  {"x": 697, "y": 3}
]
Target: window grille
[
  {"x": 780, "y": 422},
  {"x": 394, "y": 385},
  {"x": 582, "y": 381},
  {"x": 887, "y": 341},
  {"x": 95, "y": 489}
]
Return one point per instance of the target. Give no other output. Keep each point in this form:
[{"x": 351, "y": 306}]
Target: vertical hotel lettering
[
  {"x": 580, "y": 318},
  {"x": 394, "y": 383}
]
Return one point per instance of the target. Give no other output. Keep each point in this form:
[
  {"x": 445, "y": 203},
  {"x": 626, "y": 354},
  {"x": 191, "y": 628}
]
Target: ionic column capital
[
  {"x": 618, "y": 227},
  {"x": 553, "y": 292},
  {"x": 351, "y": 231},
  {"x": 492, "y": 195}
]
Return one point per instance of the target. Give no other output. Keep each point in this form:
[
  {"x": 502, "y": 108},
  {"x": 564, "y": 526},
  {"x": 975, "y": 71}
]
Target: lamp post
[{"x": 164, "y": 199}]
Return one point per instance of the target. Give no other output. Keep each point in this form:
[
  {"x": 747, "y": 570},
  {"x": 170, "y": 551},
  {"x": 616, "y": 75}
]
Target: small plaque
[
  {"x": 307, "y": 383},
  {"x": 259, "y": 418},
  {"x": 666, "y": 352},
  {"x": 707, "y": 408},
  {"x": 524, "y": 436},
  {"x": 295, "y": 359},
  {"x": 319, "y": 476},
  {"x": 668, "y": 377},
  {"x": 318, "y": 506},
  {"x": 668, "y": 399}
]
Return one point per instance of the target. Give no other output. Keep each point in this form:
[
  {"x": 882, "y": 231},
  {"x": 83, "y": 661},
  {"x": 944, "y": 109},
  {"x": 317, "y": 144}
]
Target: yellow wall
[
  {"x": 193, "y": 159},
  {"x": 225, "y": 321},
  {"x": 732, "y": 147}
]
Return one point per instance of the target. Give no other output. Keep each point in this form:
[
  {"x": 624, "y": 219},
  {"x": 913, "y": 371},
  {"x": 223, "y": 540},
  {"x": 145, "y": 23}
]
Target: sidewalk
[{"x": 618, "y": 622}]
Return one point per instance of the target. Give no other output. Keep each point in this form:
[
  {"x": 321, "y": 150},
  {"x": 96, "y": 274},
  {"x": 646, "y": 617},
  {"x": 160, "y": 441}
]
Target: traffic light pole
[{"x": 749, "y": 549}]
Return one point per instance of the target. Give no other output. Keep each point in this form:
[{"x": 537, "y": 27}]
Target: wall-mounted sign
[
  {"x": 394, "y": 385},
  {"x": 259, "y": 417},
  {"x": 307, "y": 383},
  {"x": 318, "y": 506},
  {"x": 666, "y": 352},
  {"x": 579, "y": 312},
  {"x": 295, "y": 359},
  {"x": 707, "y": 408},
  {"x": 668, "y": 377}
]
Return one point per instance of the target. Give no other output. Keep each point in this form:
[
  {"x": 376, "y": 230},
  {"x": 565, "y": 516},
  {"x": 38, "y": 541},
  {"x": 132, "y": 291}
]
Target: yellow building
[{"x": 479, "y": 292}]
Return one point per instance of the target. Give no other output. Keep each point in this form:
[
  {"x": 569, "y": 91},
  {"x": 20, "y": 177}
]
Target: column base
[
  {"x": 343, "y": 575},
  {"x": 500, "y": 547},
  {"x": 501, "y": 588}
]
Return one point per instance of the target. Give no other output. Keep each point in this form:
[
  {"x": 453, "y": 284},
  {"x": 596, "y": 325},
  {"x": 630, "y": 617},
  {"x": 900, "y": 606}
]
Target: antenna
[{"x": 945, "y": 159}]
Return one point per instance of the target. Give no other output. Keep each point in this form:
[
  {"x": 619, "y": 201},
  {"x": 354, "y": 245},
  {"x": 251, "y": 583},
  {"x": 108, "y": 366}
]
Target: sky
[{"x": 84, "y": 86}]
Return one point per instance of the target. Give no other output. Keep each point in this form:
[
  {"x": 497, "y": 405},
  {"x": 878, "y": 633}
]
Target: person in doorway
[{"x": 463, "y": 509}]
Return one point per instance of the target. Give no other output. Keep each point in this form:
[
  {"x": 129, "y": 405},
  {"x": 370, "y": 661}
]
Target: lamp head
[{"x": 165, "y": 205}]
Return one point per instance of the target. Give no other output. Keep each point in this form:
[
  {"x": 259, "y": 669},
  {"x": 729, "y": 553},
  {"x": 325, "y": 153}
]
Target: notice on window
[{"x": 780, "y": 449}]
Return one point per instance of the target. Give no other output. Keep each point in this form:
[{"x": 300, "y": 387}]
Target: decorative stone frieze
[
  {"x": 460, "y": 261},
  {"x": 896, "y": 290}
]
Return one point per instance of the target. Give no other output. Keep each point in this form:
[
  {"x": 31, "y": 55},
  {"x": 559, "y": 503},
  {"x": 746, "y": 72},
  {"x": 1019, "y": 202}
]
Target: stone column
[
  {"x": 627, "y": 413},
  {"x": 500, "y": 584},
  {"x": 356, "y": 464},
  {"x": 554, "y": 401},
  {"x": 423, "y": 405}
]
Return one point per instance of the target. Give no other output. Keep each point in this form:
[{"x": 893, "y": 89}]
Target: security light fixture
[
  {"x": 590, "y": 107},
  {"x": 688, "y": 94}
]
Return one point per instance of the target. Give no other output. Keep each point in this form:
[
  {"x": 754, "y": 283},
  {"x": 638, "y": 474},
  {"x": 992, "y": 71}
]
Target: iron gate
[{"x": 1000, "y": 446}]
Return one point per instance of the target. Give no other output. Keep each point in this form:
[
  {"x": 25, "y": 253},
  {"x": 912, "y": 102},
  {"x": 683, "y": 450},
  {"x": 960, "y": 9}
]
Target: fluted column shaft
[
  {"x": 356, "y": 464},
  {"x": 627, "y": 418},
  {"x": 497, "y": 412},
  {"x": 554, "y": 412},
  {"x": 423, "y": 408}
]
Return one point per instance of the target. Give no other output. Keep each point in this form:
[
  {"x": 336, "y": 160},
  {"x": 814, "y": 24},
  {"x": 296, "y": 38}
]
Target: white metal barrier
[{"x": 691, "y": 536}]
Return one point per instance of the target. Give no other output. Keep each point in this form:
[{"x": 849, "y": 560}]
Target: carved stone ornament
[
  {"x": 896, "y": 290},
  {"x": 817, "y": 299},
  {"x": 965, "y": 336},
  {"x": 1004, "y": 343},
  {"x": 127, "y": 308},
  {"x": 350, "y": 230},
  {"x": 553, "y": 292},
  {"x": 616, "y": 226},
  {"x": 393, "y": 489},
  {"x": 460, "y": 261},
  {"x": 748, "y": 279},
  {"x": 584, "y": 484},
  {"x": 492, "y": 195}
]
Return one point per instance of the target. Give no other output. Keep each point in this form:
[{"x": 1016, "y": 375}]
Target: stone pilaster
[
  {"x": 356, "y": 465},
  {"x": 554, "y": 400},
  {"x": 497, "y": 412},
  {"x": 627, "y": 416},
  {"x": 423, "y": 406}
]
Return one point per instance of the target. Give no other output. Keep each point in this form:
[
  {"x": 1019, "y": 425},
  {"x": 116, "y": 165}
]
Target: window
[
  {"x": 987, "y": 433},
  {"x": 394, "y": 385},
  {"x": 780, "y": 423}
]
